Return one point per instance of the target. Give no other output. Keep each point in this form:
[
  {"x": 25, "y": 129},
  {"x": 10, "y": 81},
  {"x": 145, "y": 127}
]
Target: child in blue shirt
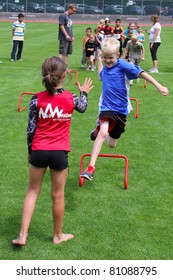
[{"x": 114, "y": 100}]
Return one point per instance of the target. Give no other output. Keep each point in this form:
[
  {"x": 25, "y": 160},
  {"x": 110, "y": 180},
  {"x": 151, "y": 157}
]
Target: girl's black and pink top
[{"x": 50, "y": 119}]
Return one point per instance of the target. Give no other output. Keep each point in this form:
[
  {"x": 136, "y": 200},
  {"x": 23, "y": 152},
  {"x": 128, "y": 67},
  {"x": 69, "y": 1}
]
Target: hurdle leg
[
  {"x": 81, "y": 180},
  {"x": 20, "y": 100},
  {"x": 136, "y": 101},
  {"x": 75, "y": 71},
  {"x": 145, "y": 83}
]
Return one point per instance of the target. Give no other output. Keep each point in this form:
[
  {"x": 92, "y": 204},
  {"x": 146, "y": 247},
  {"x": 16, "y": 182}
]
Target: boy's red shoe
[{"x": 88, "y": 173}]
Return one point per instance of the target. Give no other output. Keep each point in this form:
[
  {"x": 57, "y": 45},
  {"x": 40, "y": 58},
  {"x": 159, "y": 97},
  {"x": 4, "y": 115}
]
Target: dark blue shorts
[{"x": 57, "y": 160}]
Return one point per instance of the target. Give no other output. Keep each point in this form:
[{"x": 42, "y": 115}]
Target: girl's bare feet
[
  {"x": 20, "y": 241},
  {"x": 62, "y": 237}
]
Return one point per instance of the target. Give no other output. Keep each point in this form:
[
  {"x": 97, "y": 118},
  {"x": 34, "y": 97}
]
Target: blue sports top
[{"x": 114, "y": 91}]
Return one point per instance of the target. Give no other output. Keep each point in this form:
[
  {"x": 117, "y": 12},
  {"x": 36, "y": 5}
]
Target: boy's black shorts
[
  {"x": 57, "y": 160},
  {"x": 117, "y": 123}
]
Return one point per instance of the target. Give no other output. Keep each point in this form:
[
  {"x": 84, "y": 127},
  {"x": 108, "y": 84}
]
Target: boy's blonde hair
[
  {"x": 102, "y": 21},
  {"x": 110, "y": 46},
  {"x": 134, "y": 38}
]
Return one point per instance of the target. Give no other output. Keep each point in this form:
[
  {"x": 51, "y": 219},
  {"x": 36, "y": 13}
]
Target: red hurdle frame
[
  {"x": 20, "y": 100},
  {"x": 75, "y": 71},
  {"x": 137, "y": 109},
  {"x": 145, "y": 83},
  {"x": 81, "y": 180},
  {"x": 32, "y": 93}
]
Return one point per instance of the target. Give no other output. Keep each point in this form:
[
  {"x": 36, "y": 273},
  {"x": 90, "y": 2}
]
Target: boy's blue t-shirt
[{"x": 114, "y": 91}]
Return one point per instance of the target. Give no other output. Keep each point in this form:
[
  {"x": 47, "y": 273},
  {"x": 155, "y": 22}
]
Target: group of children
[
  {"x": 130, "y": 40},
  {"x": 50, "y": 113}
]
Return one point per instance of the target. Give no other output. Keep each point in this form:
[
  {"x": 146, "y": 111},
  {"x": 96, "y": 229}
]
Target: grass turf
[{"x": 108, "y": 222}]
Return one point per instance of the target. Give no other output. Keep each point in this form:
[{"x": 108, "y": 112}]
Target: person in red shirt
[
  {"x": 107, "y": 29},
  {"x": 48, "y": 139}
]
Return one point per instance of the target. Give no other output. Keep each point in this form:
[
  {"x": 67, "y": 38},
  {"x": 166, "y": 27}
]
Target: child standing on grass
[
  {"x": 107, "y": 29},
  {"x": 90, "y": 48},
  {"x": 114, "y": 102},
  {"x": 117, "y": 32},
  {"x": 18, "y": 38},
  {"x": 101, "y": 23},
  {"x": 141, "y": 36},
  {"x": 84, "y": 40},
  {"x": 48, "y": 138},
  {"x": 131, "y": 29}
]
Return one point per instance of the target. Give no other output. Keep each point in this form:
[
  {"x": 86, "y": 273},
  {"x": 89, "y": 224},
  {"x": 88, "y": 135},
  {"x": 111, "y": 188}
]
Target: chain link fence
[{"x": 98, "y": 7}]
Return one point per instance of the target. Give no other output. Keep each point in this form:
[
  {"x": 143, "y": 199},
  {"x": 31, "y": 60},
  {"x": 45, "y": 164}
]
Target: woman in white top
[{"x": 155, "y": 41}]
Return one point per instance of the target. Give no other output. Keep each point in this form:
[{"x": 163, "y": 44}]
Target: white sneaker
[
  {"x": 12, "y": 60},
  {"x": 131, "y": 82},
  {"x": 150, "y": 69},
  {"x": 87, "y": 69},
  {"x": 82, "y": 67},
  {"x": 154, "y": 71},
  {"x": 20, "y": 59},
  {"x": 92, "y": 70},
  {"x": 1, "y": 62}
]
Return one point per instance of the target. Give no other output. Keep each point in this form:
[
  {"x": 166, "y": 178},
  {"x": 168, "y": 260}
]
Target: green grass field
[{"x": 108, "y": 222}]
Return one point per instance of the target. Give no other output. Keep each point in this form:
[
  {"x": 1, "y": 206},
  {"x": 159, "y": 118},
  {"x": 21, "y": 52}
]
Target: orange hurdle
[
  {"x": 136, "y": 100},
  {"x": 31, "y": 93},
  {"x": 20, "y": 100},
  {"x": 145, "y": 83},
  {"x": 81, "y": 180},
  {"x": 75, "y": 71}
]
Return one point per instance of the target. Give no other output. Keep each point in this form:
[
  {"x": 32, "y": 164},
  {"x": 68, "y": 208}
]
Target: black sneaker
[
  {"x": 88, "y": 173},
  {"x": 94, "y": 133}
]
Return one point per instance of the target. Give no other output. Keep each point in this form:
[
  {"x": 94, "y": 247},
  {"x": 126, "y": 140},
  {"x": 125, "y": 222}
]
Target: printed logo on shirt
[
  {"x": 69, "y": 24},
  {"x": 55, "y": 114}
]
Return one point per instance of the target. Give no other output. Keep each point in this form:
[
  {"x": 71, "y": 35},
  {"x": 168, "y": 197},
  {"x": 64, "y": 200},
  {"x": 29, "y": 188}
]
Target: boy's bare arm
[
  {"x": 163, "y": 90},
  {"x": 100, "y": 64}
]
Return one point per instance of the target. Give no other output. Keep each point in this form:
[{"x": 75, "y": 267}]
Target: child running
[
  {"x": 48, "y": 139},
  {"x": 90, "y": 48},
  {"x": 117, "y": 32},
  {"x": 114, "y": 102},
  {"x": 84, "y": 40},
  {"x": 134, "y": 50}
]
